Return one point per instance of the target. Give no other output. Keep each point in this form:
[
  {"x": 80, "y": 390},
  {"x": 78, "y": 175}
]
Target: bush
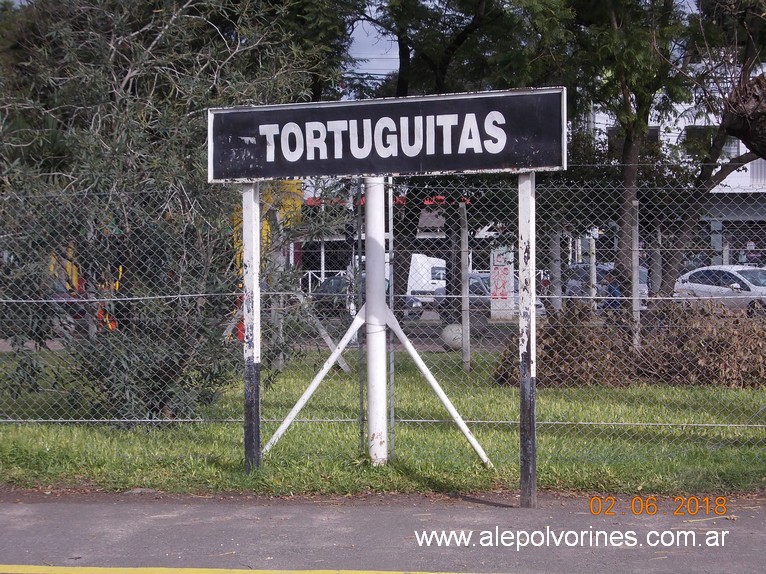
[
  {"x": 574, "y": 348},
  {"x": 104, "y": 182},
  {"x": 709, "y": 345},
  {"x": 680, "y": 346},
  {"x": 166, "y": 364}
]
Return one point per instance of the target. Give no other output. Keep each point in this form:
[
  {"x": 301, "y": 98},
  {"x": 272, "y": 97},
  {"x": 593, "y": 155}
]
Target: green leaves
[{"x": 103, "y": 163}]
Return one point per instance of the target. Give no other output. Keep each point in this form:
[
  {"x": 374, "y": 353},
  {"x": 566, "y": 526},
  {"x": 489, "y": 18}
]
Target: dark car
[
  {"x": 576, "y": 282},
  {"x": 480, "y": 295},
  {"x": 335, "y": 298}
]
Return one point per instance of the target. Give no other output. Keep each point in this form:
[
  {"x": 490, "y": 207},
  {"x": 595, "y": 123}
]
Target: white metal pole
[
  {"x": 527, "y": 342},
  {"x": 251, "y": 258},
  {"x": 397, "y": 329},
  {"x": 375, "y": 254},
  {"x": 322, "y": 270},
  {"x": 555, "y": 271},
  {"x": 314, "y": 385},
  {"x": 392, "y": 287}
]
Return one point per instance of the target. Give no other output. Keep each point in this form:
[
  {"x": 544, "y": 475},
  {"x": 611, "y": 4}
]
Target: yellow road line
[{"x": 23, "y": 569}]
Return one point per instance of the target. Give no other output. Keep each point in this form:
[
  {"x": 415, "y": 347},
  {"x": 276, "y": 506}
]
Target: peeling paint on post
[
  {"x": 527, "y": 341},
  {"x": 251, "y": 247}
]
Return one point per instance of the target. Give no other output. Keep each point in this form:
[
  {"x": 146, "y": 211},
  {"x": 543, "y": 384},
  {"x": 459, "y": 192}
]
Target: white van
[{"x": 427, "y": 274}]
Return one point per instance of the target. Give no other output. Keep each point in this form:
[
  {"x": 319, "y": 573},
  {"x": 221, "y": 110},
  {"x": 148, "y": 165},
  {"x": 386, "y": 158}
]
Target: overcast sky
[{"x": 380, "y": 53}]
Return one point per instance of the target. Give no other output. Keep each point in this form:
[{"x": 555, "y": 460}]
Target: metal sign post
[
  {"x": 527, "y": 342},
  {"x": 375, "y": 297},
  {"x": 251, "y": 259},
  {"x": 377, "y": 317}
]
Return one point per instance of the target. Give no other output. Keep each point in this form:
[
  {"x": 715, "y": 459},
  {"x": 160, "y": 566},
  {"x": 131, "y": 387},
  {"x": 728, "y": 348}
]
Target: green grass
[{"x": 589, "y": 439}]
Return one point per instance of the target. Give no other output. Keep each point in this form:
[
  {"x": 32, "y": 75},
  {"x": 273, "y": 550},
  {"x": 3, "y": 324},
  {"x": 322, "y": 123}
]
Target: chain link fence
[{"x": 651, "y": 313}]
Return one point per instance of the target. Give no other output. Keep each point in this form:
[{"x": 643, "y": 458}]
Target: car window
[
  {"x": 755, "y": 276},
  {"x": 476, "y": 286},
  {"x": 714, "y": 278},
  {"x": 728, "y": 279},
  {"x": 332, "y": 285},
  {"x": 704, "y": 277},
  {"x": 438, "y": 273},
  {"x": 718, "y": 278}
]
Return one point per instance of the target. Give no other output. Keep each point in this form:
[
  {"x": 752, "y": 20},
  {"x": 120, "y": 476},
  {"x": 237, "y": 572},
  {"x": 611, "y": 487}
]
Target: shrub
[
  {"x": 705, "y": 345},
  {"x": 574, "y": 348},
  {"x": 708, "y": 345}
]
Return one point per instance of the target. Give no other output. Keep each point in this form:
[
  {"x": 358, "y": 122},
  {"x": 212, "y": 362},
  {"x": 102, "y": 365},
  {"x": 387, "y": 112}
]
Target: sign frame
[{"x": 508, "y": 131}]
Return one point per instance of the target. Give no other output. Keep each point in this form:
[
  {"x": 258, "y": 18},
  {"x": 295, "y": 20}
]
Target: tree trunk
[
  {"x": 403, "y": 76},
  {"x": 745, "y": 114},
  {"x": 628, "y": 210}
]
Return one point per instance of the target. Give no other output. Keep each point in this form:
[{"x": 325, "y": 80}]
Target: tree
[
  {"x": 645, "y": 59},
  {"x": 103, "y": 118},
  {"x": 738, "y": 28},
  {"x": 320, "y": 33},
  {"x": 631, "y": 50},
  {"x": 457, "y": 46},
  {"x": 724, "y": 47}
]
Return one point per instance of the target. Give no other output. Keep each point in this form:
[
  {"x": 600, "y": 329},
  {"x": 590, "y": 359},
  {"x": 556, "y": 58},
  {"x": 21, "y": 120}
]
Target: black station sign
[{"x": 508, "y": 131}]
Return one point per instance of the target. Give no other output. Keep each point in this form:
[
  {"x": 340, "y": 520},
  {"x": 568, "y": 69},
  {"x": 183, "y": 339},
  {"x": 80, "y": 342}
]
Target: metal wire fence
[{"x": 651, "y": 311}]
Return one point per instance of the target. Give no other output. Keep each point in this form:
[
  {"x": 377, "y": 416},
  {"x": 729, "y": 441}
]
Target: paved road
[{"x": 377, "y": 532}]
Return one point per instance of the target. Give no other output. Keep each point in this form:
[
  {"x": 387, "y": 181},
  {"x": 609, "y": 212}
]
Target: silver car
[{"x": 734, "y": 286}]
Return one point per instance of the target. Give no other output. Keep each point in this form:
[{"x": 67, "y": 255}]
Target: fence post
[
  {"x": 464, "y": 292},
  {"x": 593, "y": 283},
  {"x": 635, "y": 278},
  {"x": 555, "y": 293}
]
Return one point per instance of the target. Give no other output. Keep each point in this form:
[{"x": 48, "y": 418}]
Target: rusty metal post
[{"x": 527, "y": 341}]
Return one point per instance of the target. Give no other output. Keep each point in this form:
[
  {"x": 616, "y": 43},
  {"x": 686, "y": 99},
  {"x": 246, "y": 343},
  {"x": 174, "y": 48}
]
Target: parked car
[
  {"x": 426, "y": 275},
  {"x": 576, "y": 281},
  {"x": 733, "y": 286},
  {"x": 335, "y": 298},
  {"x": 480, "y": 295}
]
